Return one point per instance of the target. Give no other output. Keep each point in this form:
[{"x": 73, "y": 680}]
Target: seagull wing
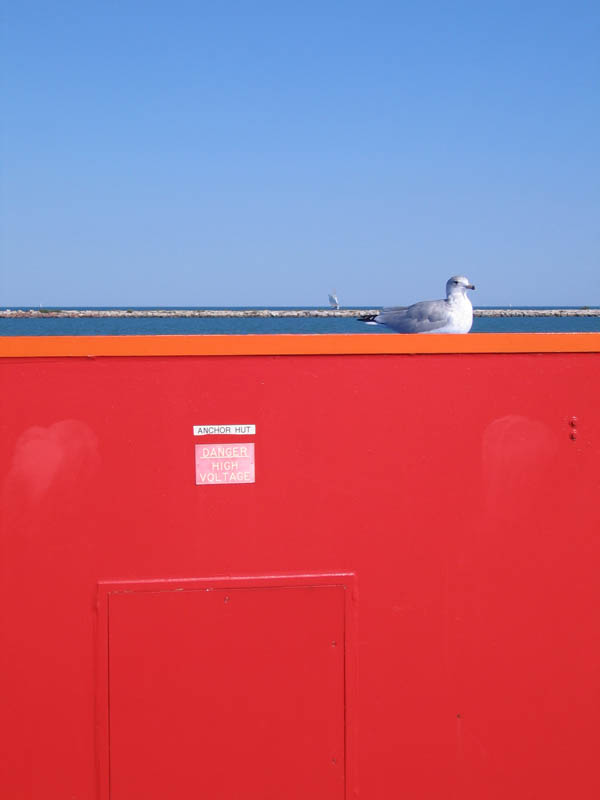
[{"x": 418, "y": 318}]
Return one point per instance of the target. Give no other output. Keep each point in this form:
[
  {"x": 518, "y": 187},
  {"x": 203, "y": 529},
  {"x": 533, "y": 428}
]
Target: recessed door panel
[{"x": 227, "y": 693}]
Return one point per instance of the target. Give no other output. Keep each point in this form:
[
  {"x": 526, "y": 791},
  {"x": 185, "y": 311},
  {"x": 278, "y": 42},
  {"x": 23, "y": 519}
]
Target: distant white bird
[
  {"x": 333, "y": 300},
  {"x": 452, "y": 315}
]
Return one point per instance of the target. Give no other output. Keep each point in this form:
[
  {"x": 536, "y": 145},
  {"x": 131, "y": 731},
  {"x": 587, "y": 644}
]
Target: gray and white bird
[{"x": 452, "y": 315}]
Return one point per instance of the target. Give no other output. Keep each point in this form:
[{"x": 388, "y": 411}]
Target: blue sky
[{"x": 262, "y": 153}]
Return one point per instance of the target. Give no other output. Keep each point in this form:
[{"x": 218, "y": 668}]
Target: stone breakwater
[{"x": 282, "y": 313}]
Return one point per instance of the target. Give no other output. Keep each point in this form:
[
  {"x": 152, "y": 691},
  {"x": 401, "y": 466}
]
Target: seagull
[{"x": 452, "y": 315}]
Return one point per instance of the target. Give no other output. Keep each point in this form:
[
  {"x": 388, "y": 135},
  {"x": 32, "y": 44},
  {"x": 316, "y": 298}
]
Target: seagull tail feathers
[{"x": 368, "y": 318}]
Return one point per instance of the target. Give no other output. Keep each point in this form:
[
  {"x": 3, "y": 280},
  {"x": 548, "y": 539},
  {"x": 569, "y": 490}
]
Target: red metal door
[{"x": 227, "y": 693}]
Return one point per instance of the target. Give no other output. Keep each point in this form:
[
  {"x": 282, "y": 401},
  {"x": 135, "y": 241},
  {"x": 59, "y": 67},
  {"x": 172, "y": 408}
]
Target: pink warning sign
[{"x": 224, "y": 463}]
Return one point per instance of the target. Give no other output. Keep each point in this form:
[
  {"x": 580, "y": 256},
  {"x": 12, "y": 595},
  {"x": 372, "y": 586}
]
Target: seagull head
[{"x": 457, "y": 284}]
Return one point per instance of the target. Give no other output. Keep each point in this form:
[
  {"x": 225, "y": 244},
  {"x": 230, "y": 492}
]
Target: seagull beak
[{"x": 470, "y": 286}]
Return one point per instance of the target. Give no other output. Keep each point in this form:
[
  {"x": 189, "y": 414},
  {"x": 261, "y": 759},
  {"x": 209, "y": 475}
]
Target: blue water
[{"x": 118, "y": 326}]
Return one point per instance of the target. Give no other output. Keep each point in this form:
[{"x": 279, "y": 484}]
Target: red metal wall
[{"x": 447, "y": 525}]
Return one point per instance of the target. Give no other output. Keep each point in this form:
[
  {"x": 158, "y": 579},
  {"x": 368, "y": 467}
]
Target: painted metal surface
[
  {"x": 450, "y": 485},
  {"x": 233, "y": 691},
  {"x": 296, "y": 344}
]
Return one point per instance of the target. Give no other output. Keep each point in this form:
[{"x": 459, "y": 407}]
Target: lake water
[{"x": 119, "y": 326}]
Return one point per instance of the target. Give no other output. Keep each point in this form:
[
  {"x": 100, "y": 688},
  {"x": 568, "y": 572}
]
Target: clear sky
[{"x": 263, "y": 153}]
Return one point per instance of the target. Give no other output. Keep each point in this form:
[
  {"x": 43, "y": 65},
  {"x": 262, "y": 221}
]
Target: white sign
[{"x": 224, "y": 430}]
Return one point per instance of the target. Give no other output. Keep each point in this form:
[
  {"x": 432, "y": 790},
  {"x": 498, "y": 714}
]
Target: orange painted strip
[{"x": 296, "y": 344}]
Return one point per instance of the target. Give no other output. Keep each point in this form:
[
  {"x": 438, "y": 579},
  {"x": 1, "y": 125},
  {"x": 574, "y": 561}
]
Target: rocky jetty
[{"x": 282, "y": 313}]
